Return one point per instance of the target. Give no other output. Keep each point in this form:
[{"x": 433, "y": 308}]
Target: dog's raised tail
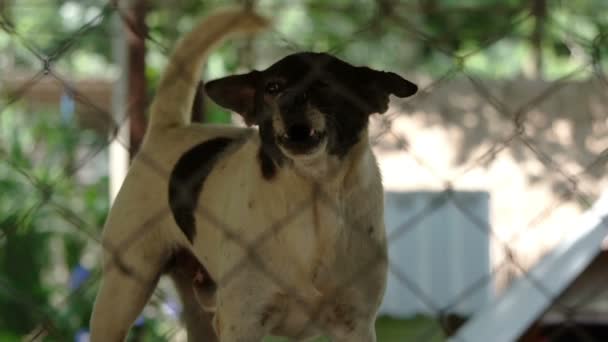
[{"x": 172, "y": 104}]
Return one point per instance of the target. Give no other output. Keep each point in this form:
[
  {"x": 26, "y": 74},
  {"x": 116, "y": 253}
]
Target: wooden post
[
  {"x": 539, "y": 11},
  {"x": 118, "y": 153},
  {"x": 135, "y": 17},
  {"x": 198, "y": 106}
]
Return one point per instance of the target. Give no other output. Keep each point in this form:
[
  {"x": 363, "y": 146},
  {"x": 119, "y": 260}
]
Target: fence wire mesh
[{"x": 47, "y": 198}]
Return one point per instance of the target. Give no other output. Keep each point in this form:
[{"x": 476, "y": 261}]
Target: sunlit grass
[{"x": 397, "y": 330}]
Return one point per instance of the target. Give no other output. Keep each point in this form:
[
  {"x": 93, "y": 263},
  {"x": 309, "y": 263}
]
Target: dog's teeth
[{"x": 311, "y": 133}]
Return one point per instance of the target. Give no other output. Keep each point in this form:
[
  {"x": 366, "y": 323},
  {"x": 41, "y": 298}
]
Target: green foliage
[
  {"x": 408, "y": 34},
  {"x": 22, "y": 291},
  {"x": 52, "y": 28},
  {"x": 47, "y": 213}
]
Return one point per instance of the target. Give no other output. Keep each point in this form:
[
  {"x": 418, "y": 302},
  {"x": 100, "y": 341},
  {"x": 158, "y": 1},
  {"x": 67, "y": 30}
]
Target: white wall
[{"x": 436, "y": 252}]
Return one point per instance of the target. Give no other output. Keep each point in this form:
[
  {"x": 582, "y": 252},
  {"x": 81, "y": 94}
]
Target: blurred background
[{"x": 489, "y": 170}]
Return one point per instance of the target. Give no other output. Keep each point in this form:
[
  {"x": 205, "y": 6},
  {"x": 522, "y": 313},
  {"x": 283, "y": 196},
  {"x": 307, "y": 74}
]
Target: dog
[{"x": 272, "y": 229}]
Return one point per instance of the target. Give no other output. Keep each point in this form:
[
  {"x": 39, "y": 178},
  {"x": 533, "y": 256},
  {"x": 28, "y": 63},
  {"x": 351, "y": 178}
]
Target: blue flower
[
  {"x": 82, "y": 335},
  {"x": 79, "y": 275},
  {"x": 172, "y": 308},
  {"x": 140, "y": 321}
]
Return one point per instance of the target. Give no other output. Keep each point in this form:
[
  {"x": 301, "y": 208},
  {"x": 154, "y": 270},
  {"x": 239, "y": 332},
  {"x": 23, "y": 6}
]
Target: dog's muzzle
[{"x": 301, "y": 138}]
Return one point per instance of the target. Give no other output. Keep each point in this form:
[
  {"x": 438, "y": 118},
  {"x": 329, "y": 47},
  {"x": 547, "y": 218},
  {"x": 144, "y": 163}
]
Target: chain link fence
[{"x": 574, "y": 179}]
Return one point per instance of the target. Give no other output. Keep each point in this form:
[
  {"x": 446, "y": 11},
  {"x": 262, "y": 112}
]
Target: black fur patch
[
  {"x": 269, "y": 169},
  {"x": 188, "y": 178},
  {"x": 337, "y": 89},
  {"x": 269, "y": 155},
  {"x": 184, "y": 262},
  {"x": 345, "y": 94}
]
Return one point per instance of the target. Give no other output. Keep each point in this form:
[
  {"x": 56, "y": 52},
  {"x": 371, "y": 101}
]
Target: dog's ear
[
  {"x": 379, "y": 85},
  {"x": 237, "y": 93}
]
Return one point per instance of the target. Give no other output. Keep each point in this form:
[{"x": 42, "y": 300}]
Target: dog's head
[{"x": 309, "y": 104}]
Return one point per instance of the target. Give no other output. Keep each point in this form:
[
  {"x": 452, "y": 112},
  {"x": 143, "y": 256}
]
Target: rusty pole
[{"x": 137, "y": 31}]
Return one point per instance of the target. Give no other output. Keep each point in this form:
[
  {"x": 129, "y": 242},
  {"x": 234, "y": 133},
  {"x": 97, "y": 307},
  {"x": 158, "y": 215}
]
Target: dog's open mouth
[{"x": 301, "y": 139}]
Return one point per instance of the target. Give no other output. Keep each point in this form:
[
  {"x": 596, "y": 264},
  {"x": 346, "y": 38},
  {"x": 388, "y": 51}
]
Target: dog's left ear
[
  {"x": 237, "y": 93},
  {"x": 379, "y": 85}
]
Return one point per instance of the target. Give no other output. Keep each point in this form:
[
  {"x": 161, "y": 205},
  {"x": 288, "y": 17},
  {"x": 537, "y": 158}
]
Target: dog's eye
[{"x": 273, "y": 88}]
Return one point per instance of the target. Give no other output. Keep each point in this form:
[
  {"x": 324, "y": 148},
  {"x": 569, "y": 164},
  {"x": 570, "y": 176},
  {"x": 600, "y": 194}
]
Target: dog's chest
[
  {"x": 308, "y": 231},
  {"x": 293, "y": 227},
  {"x": 321, "y": 228}
]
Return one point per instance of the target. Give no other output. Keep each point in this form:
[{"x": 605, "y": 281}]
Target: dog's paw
[
  {"x": 340, "y": 318},
  {"x": 271, "y": 315}
]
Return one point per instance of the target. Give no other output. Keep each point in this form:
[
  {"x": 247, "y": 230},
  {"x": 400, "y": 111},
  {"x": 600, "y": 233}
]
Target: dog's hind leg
[
  {"x": 197, "y": 320},
  {"x": 128, "y": 281}
]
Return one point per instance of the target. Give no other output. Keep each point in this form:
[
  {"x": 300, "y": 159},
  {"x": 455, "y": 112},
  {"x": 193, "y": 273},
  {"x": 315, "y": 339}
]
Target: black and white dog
[{"x": 277, "y": 230}]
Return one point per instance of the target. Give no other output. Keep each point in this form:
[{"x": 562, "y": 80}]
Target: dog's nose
[
  {"x": 301, "y": 97},
  {"x": 300, "y": 132},
  {"x": 300, "y": 137}
]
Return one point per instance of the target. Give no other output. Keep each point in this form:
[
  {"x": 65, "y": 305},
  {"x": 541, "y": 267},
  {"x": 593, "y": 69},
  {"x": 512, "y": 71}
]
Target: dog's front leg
[
  {"x": 365, "y": 332},
  {"x": 248, "y": 308},
  {"x": 126, "y": 286},
  {"x": 350, "y": 322}
]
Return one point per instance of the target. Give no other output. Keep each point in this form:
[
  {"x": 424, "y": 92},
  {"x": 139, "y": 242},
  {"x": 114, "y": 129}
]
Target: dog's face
[{"x": 309, "y": 104}]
